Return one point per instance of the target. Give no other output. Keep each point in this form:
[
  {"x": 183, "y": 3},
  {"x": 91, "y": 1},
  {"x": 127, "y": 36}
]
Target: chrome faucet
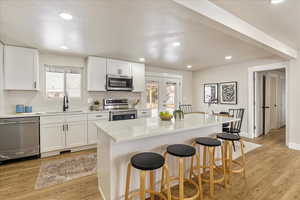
[{"x": 66, "y": 103}]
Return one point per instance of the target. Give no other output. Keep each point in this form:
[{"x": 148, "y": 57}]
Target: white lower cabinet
[
  {"x": 52, "y": 137},
  {"x": 92, "y": 133},
  {"x": 63, "y": 132},
  {"x": 92, "y": 129},
  {"x": 76, "y": 134}
]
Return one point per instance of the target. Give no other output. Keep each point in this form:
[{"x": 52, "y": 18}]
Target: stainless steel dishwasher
[{"x": 19, "y": 138}]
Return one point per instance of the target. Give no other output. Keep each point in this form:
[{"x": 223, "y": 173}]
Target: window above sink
[{"x": 60, "y": 81}]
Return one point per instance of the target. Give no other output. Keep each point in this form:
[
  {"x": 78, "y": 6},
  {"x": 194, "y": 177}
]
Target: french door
[{"x": 163, "y": 94}]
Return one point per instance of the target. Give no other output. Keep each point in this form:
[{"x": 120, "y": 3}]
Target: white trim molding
[
  {"x": 251, "y": 118},
  {"x": 163, "y": 75},
  {"x": 294, "y": 146}
]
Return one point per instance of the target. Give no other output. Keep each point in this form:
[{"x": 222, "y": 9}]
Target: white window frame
[{"x": 65, "y": 70}]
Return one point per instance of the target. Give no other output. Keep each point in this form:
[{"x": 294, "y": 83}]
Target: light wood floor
[{"x": 273, "y": 172}]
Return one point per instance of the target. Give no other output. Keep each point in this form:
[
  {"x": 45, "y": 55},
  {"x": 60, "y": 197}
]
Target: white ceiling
[
  {"x": 125, "y": 29},
  {"x": 281, "y": 21}
]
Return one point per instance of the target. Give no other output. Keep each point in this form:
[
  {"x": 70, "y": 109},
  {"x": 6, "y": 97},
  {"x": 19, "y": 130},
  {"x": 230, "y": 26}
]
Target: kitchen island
[{"x": 118, "y": 141}]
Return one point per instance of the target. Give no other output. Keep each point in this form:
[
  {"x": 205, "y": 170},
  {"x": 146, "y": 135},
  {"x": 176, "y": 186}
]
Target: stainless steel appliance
[
  {"x": 122, "y": 115},
  {"x": 119, "y": 109},
  {"x": 19, "y": 138},
  {"x": 109, "y": 104},
  {"x": 118, "y": 83}
]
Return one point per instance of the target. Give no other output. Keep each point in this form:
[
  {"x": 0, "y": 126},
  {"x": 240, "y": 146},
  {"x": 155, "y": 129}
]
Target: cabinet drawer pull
[{"x": 99, "y": 115}]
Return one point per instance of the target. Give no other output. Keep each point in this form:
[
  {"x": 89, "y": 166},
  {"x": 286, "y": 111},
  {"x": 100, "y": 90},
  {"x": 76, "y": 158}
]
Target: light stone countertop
[
  {"x": 128, "y": 130},
  {"x": 41, "y": 114},
  {"x": 53, "y": 113}
]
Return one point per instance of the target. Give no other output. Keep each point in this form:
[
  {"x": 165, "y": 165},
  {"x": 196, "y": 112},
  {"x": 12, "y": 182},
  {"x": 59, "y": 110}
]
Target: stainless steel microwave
[{"x": 118, "y": 83}]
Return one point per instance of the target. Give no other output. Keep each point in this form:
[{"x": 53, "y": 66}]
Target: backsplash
[
  {"x": 41, "y": 103},
  {"x": 131, "y": 96}
]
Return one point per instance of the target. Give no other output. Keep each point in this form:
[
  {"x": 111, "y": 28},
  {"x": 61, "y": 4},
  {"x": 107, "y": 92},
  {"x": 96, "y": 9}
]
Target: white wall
[
  {"x": 187, "y": 81},
  {"x": 1, "y": 79},
  {"x": 234, "y": 72},
  {"x": 293, "y": 104}
]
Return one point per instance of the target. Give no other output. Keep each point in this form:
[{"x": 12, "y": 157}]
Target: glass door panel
[
  {"x": 163, "y": 94},
  {"x": 169, "y": 96},
  {"x": 152, "y": 88}
]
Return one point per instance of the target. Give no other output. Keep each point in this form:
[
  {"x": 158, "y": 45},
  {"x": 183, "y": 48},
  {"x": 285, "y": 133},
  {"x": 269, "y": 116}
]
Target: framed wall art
[
  {"x": 228, "y": 93},
  {"x": 211, "y": 93}
]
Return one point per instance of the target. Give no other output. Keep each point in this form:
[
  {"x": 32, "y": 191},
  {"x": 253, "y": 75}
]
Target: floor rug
[
  {"x": 249, "y": 146},
  {"x": 63, "y": 170}
]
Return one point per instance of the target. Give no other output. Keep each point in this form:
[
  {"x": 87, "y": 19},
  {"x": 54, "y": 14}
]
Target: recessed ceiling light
[
  {"x": 66, "y": 16},
  {"x": 228, "y": 57},
  {"x": 189, "y": 66},
  {"x": 176, "y": 44},
  {"x": 277, "y": 1},
  {"x": 142, "y": 59},
  {"x": 64, "y": 47}
]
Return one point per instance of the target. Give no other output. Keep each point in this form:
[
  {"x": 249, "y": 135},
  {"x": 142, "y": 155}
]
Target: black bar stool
[
  {"x": 228, "y": 145},
  {"x": 209, "y": 145},
  {"x": 145, "y": 162},
  {"x": 182, "y": 151}
]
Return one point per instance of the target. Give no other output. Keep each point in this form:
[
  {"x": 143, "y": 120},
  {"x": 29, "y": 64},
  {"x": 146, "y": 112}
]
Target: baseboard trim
[
  {"x": 245, "y": 134},
  {"x": 74, "y": 149},
  {"x": 294, "y": 146}
]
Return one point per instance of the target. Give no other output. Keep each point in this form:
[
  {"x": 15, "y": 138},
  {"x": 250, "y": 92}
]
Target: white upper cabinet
[
  {"x": 96, "y": 73},
  {"x": 21, "y": 68},
  {"x": 138, "y": 75},
  {"x": 118, "y": 67}
]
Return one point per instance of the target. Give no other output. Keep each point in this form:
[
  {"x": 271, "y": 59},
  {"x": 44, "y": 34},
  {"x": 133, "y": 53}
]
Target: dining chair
[{"x": 186, "y": 108}]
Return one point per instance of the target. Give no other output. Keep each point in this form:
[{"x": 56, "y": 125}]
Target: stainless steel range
[{"x": 119, "y": 109}]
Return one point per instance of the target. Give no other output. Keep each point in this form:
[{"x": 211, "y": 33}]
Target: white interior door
[
  {"x": 268, "y": 103},
  {"x": 258, "y": 103},
  {"x": 273, "y": 103},
  {"x": 281, "y": 105}
]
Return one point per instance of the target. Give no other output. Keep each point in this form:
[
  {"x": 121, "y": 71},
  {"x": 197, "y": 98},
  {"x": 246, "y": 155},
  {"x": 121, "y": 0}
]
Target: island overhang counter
[{"x": 118, "y": 141}]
